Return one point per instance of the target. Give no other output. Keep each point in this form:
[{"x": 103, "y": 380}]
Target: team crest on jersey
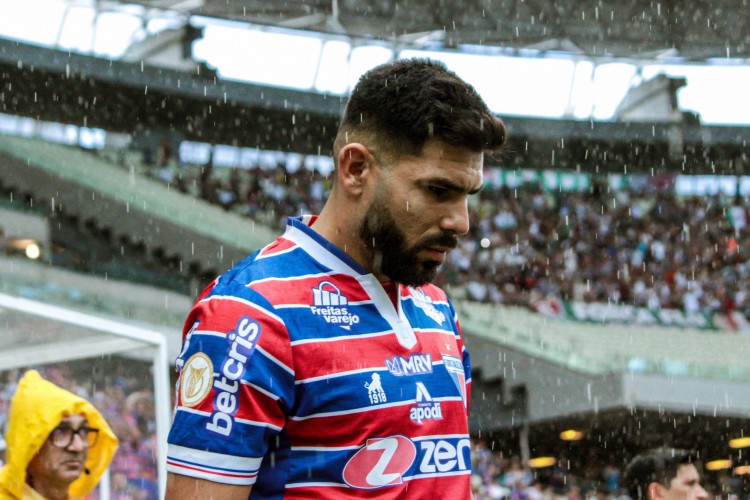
[
  {"x": 426, "y": 408},
  {"x": 375, "y": 390},
  {"x": 455, "y": 369},
  {"x": 422, "y": 301},
  {"x": 331, "y": 305},
  {"x": 195, "y": 379},
  {"x": 416, "y": 364}
]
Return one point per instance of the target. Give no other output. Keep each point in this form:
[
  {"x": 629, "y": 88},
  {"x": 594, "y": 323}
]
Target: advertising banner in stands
[{"x": 599, "y": 312}]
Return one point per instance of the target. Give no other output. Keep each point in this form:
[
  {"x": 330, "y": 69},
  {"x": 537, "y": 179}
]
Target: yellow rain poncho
[{"x": 36, "y": 409}]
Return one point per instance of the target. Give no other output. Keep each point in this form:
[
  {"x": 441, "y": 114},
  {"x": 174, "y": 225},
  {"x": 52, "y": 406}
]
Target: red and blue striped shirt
[{"x": 300, "y": 376}]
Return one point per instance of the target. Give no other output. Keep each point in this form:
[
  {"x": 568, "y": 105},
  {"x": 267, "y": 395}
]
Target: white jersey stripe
[
  {"x": 257, "y": 424},
  {"x": 439, "y": 331},
  {"x": 307, "y": 306},
  {"x": 293, "y": 278},
  {"x": 260, "y": 349},
  {"x": 342, "y": 338},
  {"x": 308, "y": 485},
  {"x": 352, "y": 411},
  {"x": 326, "y": 448},
  {"x": 198, "y": 473},
  {"x": 340, "y": 374},
  {"x": 193, "y": 410},
  {"x": 350, "y": 372},
  {"x": 261, "y": 255},
  {"x": 442, "y": 436},
  {"x": 214, "y": 461},
  {"x": 275, "y": 360},
  {"x": 241, "y": 420},
  {"x": 437, "y": 474},
  {"x": 209, "y": 333},
  {"x": 259, "y": 389}
]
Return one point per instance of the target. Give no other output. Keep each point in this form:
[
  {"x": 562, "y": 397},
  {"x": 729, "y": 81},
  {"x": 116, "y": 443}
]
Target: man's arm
[{"x": 184, "y": 487}]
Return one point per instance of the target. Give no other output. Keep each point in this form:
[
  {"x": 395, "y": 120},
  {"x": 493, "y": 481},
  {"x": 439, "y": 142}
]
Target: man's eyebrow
[
  {"x": 84, "y": 423},
  {"x": 448, "y": 184}
]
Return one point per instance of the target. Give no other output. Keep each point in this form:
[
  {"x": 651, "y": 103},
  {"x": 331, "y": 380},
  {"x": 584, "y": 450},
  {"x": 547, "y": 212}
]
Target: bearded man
[{"x": 327, "y": 365}]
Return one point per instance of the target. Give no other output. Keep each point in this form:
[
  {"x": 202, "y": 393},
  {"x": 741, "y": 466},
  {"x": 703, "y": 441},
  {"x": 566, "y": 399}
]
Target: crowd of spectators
[
  {"x": 650, "y": 248},
  {"x": 121, "y": 391},
  {"x": 496, "y": 477},
  {"x": 642, "y": 246}
]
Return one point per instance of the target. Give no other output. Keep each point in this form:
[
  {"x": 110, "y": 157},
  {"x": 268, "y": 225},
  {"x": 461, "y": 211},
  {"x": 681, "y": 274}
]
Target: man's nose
[
  {"x": 77, "y": 443},
  {"x": 456, "y": 220},
  {"x": 702, "y": 493}
]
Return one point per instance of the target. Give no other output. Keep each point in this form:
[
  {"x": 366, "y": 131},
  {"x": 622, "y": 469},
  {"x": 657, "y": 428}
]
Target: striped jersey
[{"x": 300, "y": 375}]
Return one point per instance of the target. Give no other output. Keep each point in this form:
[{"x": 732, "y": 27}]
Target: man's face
[
  {"x": 60, "y": 466},
  {"x": 686, "y": 485},
  {"x": 418, "y": 210}
]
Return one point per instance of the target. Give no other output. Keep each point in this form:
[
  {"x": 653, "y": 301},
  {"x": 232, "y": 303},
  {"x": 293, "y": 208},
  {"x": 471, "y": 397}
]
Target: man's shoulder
[{"x": 281, "y": 259}]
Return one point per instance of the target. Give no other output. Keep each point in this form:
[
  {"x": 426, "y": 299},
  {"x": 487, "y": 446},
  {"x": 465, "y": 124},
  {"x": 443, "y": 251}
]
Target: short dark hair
[
  {"x": 658, "y": 465},
  {"x": 402, "y": 104}
]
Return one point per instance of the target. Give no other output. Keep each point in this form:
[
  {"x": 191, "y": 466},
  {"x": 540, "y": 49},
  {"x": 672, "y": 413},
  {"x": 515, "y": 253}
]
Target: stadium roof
[
  {"x": 120, "y": 96},
  {"x": 643, "y": 29}
]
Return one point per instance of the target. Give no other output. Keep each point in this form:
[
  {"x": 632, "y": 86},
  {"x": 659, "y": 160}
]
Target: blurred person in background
[
  {"x": 58, "y": 444},
  {"x": 664, "y": 474}
]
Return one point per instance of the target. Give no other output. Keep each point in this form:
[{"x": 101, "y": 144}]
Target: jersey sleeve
[{"x": 236, "y": 382}]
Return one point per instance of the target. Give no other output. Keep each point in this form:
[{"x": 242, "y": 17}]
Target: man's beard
[{"x": 390, "y": 255}]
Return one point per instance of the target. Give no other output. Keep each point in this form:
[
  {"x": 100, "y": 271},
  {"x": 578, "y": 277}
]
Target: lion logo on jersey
[{"x": 375, "y": 390}]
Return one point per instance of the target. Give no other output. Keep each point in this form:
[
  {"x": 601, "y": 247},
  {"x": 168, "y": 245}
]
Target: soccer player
[
  {"x": 326, "y": 365},
  {"x": 664, "y": 474}
]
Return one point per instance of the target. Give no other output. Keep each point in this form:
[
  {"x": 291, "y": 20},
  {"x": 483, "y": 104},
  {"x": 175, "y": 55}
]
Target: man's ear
[
  {"x": 355, "y": 164},
  {"x": 656, "y": 491}
]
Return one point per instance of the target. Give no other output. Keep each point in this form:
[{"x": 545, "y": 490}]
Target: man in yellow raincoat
[{"x": 59, "y": 445}]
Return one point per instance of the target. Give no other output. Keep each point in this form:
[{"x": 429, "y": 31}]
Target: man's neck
[
  {"x": 51, "y": 491},
  {"x": 336, "y": 230}
]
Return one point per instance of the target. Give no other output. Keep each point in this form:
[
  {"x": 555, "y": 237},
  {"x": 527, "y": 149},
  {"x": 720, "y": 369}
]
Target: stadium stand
[
  {"x": 616, "y": 312},
  {"x": 646, "y": 247},
  {"x": 516, "y": 353}
]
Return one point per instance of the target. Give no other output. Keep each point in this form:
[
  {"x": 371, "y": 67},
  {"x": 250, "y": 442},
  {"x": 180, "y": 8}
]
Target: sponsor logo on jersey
[
  {"x": 331, "y": 305},
  {"x": 422, "y": 301},
  {"x": 444, "y": 455},
  {"x": 426, "y": 408},
  {"x": 379, "y": 463},
  {"x": 195, "y": 379},
  {"x": 375, "y": 390},
  {"x": 241, "y": 345},
  {"x": 384, "y": 461},
  {"x": 455, "y": 369},
  {"x": 416, "y": 364}
]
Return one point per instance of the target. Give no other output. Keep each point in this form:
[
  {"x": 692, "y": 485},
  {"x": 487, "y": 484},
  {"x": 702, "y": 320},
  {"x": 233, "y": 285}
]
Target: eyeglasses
[{"x": 62, "y": 436}]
